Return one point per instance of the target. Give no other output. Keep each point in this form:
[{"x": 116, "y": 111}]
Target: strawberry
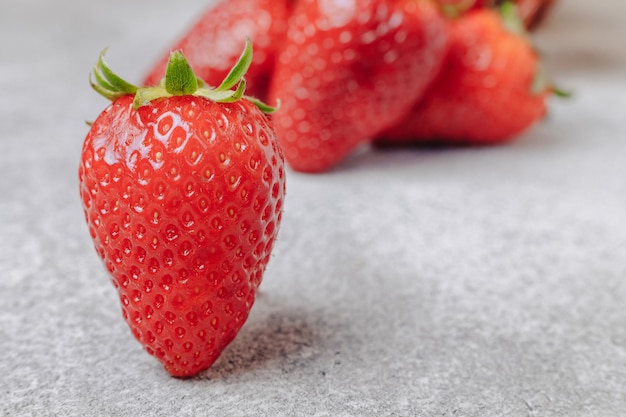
[
  {"x": 488, "y": 92},
  {"x": 349, "y": 70},
  {"x": 210, "y": 42},
  {"x": 182, "y": 188}
]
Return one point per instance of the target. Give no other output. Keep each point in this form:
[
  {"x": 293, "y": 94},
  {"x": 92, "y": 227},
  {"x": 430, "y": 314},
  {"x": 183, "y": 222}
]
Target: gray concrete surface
[{"x": 456, "y": 283}]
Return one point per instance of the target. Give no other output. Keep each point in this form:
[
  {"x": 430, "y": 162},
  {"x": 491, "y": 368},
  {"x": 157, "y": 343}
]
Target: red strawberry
[
  {"x": 210, "y": 42},
  {"x": 182, "y": 188},
  {"x": 349, "y": 70},
  {"x": 487, "y": 91}
]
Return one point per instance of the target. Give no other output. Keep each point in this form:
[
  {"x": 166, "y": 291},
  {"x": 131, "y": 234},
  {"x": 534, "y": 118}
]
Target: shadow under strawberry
[{"x": 280, "y": 341}]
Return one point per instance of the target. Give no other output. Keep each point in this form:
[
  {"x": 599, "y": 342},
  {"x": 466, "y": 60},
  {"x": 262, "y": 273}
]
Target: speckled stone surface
[{"x": 456, "y": 283}]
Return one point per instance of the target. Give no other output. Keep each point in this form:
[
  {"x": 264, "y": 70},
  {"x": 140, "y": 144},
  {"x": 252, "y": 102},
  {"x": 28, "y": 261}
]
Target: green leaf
[
  {"x": 103, "y": 91},
  {"x": 559, "y": 92},
  {"x": 540, "y": 81},
  {"x": 117, "y": 83},
  {"x": 100, "y": 81},
  {"x": 541, "y": 84},
  {"x": 239, "y": 69},
  {"x": 238, "y": 93},
  {"x": 456, "y": 9},
  {"x": 512, "y": 19},
  {"x": 180, "y": 79},
  {"x": 265, "y": 108},
  {"x": 107, "y": 83}
]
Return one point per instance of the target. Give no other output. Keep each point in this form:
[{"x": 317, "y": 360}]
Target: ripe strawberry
[
  {"x": 210, "y": 42},
  {"x": 349, "y": 70},
  {"x": 182, "y": 188},
  {"x": 488, "y": 92}
]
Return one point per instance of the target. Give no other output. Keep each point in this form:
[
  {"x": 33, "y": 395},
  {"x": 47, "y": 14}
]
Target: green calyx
[
  {"x": 542, "y": 84},
  {"x": 455, "y": 9},
  {"x": 180, "y": 80},
  {"x": 512, "y": 19}
]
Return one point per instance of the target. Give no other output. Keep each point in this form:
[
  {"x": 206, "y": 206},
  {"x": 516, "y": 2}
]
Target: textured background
[{"x": 460, "y": 282}]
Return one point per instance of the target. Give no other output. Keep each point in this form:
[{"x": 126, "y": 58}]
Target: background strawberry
[
  {"x": 182, "y": 189},
  {"x": 211, "y": 41},
  {"x": 349, "y": 70},
  {"x": 489, "y": 90}
]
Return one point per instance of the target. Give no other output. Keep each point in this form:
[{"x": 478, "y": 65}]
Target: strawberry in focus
[
  {"x": 210, "y": 42},
  {"x": 182, "y": 188},
  {"x": 349, "y": 70},
  {"x": 489, "y": 91}
]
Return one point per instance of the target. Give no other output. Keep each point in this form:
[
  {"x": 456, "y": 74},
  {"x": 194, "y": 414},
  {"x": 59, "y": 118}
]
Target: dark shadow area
[
  {"x": 281, "y": 339},
  {"x": 416, "y": 157}
]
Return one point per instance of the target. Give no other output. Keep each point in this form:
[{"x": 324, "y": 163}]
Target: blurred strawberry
[
  {"x": 211, "y": 43},
  {"x": 490, "y": 89},
  {"x": 349, "y": 70}
]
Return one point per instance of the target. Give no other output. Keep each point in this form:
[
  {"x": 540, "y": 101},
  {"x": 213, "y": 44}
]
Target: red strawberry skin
[
  {"x": 183, "y": 200},
  {"x": 347, "y": 71},
  {"x": 212, "y": 42},
  {"x": 483, "y": 94}
]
